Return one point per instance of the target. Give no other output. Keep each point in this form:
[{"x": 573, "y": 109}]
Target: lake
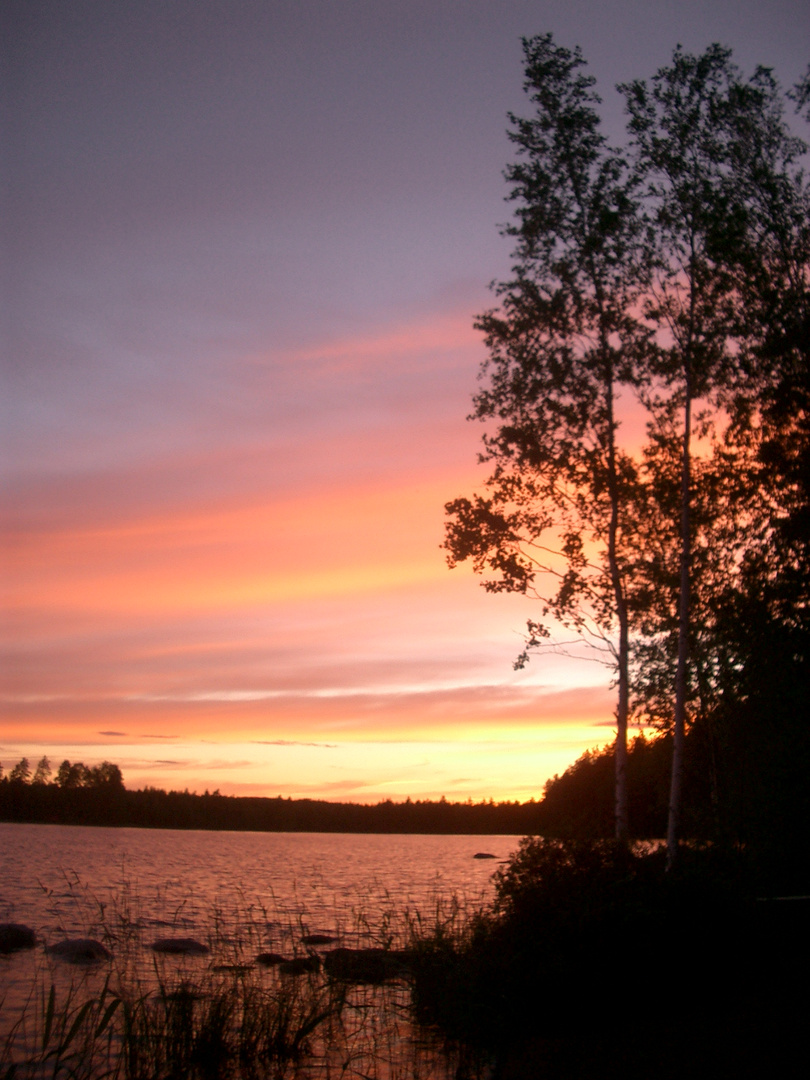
[
  {"x": 57, "y": 878},
  {"x": 239, "y": 893}
]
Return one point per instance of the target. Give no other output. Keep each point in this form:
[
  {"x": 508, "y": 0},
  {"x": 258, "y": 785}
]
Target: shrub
[{"x": 583, "y": 935}]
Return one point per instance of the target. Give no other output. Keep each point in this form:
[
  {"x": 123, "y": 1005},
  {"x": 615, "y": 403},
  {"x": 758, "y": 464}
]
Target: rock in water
[
  {"x": 79, "y": 951},
  {"x": 269, "y": 959},
  {"x": 484, "y": 855},
  {"x": 14, "y": 936},
  {"x": 300, "y": 966},
  {"x": 180, "y": 946},
  {"x": 365, "y": 965}
]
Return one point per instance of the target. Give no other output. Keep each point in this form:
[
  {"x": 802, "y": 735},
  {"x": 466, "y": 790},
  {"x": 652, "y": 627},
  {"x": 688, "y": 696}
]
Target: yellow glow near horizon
[{"x": 513, "y": 768}]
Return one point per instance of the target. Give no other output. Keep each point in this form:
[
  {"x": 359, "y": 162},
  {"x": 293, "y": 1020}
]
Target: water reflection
[{"x": 240, "y": 894}]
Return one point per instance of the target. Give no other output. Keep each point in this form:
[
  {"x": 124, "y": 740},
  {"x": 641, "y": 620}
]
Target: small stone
[
  {"x": 15, "y": 936},
  {"x": 318, "y": 939},
  {"x": 180, "y": 946},
  {"x": 300, "y": 966},
  {"x": 269, "y": 959},
  {"x": 366, "y": 965}
]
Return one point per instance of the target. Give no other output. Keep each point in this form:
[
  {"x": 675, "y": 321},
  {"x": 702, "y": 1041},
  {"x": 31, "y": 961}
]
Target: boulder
[
  {"x": 318, "y": 939},
  {"x": 15, "y": 936},
  {"x": 365, "y": 965},
  {"x": 184, "y": 994},
  {"x": 79, "y": 951},
  {"x": 269, "y": 959},
  {"x": 180, "y": 946},
  {"x": 302, "y": 965}
]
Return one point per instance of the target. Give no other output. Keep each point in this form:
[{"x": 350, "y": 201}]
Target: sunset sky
[{"x": 244, "y": 244}]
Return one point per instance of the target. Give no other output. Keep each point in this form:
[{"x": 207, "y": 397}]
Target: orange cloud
[
  {"x": 319, "y": 544},
  {"x": 288, "y": 589},
  {"x": 443, "y": 333}
]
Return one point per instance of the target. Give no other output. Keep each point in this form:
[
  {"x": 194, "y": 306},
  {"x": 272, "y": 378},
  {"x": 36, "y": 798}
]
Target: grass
[
  {"x": 207, "y": 1028},
  {"x": 591, "y": 962}
]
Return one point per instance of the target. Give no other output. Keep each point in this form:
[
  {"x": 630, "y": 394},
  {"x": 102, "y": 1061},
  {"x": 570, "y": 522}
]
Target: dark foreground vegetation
[
  {"x": 673, "y": 271},
  {"x": 232, "y": 1028},
  {"x": 596, "y": 962}
]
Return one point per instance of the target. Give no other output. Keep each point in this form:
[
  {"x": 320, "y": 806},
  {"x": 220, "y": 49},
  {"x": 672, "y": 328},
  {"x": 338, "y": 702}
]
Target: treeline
[
  {"x": 98, "y": 797},
  {"x": 741, "y": 789},
  {"x": 745, "y": 771},
  {"x": 76, "y": 775},
  {"x": 576, "y": 804}
]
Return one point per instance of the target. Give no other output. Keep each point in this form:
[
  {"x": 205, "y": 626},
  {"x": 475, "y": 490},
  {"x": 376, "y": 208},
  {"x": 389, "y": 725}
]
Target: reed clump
[
  {"x": 215, "y": 1013},
  {"x": 202, "y": 1030}
]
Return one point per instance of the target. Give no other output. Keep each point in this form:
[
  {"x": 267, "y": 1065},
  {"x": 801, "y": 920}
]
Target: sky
[{"x": 243, "y": 249}]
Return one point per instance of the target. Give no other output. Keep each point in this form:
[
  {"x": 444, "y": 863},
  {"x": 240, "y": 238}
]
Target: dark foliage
[
  {"x": 579, "y": 803},
  {"x": 549, "y": 981},
  {"x": 676, "y": 270}
]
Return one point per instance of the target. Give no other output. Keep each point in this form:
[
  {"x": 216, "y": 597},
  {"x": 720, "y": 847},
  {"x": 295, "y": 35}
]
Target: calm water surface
[{"x": 55, "y": 878}]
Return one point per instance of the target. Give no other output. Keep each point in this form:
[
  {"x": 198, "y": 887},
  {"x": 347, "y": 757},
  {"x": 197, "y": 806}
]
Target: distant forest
[{"x": 579, "y": 803}]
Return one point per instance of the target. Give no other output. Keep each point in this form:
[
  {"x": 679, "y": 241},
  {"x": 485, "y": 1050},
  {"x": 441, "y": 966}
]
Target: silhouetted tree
[
  {"x": 43, "y": 771},
  {"x": 71, "y": 776},
  {"x": 21, "y": 773},
  {"x": 684, "y": 278},
  {"x": 800, "y": 95},
  {"x": 711, "y": 151},
  {"x": 561, "y": 347},
  {"x": 106, "y": 775}
]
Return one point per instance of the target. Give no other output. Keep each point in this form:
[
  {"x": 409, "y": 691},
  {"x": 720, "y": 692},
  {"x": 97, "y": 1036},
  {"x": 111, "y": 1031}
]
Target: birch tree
[
  {"x": 561, "y": 346},
  {"x": 712, "y": 154}
]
